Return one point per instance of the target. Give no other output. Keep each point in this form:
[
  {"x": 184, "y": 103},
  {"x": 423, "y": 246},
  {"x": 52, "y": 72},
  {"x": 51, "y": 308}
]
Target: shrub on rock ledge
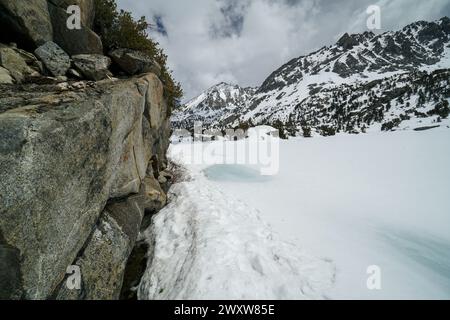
[{"x": 118, "y": 29}]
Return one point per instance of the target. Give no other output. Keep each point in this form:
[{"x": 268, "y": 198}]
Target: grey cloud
[
  {"x": 231, "y": 21},
  {"x": 159, "y": 25}
]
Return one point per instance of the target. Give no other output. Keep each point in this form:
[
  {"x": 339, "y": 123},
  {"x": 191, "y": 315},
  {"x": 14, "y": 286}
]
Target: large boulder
[
  {"x": 134, "y": 62},
  {"x": 25, "y": 22},
  {"x": 30, "y": 60},
  {"x": 33, "y": 23},
  {"x": 54, "y": 58},
  {"x": 15, "y": 63},
  {"x": 87, "y": 9},
  {"x": 5, "y": 76},
  {"x": 63, "y": 156},
  {"x": 76, "y": 41},
  {"x": 92, "y": 66}
]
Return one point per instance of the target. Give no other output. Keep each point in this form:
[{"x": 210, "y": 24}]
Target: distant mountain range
[
  {"x": 219, "y": 105},
  {"x": 364, "y": 82}
]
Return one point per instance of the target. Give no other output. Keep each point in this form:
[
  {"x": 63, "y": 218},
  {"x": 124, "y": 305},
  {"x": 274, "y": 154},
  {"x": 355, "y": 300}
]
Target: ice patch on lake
[{"x": 234, "y": 173}]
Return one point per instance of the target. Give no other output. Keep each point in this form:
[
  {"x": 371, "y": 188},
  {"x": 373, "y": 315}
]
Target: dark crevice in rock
[
  {"x": 137, "y": 262},
  {"x": 136, "y": 165},
  {"x": 147, "y": 221},
  {"x": 142, "y": 251},
  {"x": 136, "y": 265},
  {"x": 10, "y": 31},
  {"x": 11, "y": 283},
  {"x": 155, "y": 166}
]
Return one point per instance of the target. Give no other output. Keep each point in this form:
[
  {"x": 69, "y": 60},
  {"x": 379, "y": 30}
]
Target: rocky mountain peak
[
  {"x": 347, "y": 41},
  {"x": 221, "y": 99}
]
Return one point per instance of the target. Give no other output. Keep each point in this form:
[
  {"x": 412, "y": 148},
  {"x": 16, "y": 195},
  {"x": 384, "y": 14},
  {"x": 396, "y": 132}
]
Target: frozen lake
[{"x": 378, "y": 199}]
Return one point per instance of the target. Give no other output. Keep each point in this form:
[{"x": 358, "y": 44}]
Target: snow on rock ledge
[{"x": 208, "y": 246}]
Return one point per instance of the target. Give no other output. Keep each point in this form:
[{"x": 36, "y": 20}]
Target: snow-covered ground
[
  {"x": 343, "y": 203},
  {"x": 210, "y": 246}
]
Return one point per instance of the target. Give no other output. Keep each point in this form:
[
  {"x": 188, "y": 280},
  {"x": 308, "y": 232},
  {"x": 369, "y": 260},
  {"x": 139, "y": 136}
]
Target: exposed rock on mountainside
[
  {"x": 363, "y": 82},
  {"x": 403, "y": 101}
]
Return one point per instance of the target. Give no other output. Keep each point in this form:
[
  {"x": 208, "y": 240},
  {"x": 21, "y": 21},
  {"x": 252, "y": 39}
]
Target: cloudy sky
[{"x": 243, "y": 41}]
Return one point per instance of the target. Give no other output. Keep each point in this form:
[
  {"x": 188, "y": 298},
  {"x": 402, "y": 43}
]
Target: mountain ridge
[
  {"x": 290, "y": 96},
  {"x": 214, "y": 105}
]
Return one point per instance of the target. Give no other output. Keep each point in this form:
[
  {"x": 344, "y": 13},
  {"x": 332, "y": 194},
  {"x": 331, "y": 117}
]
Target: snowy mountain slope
[
  {"x": 354, "y": 59},
  {"x": 415, "y": 100},
  {"x": 321, "y": 83},
  {"x": 221, "y": 103}
]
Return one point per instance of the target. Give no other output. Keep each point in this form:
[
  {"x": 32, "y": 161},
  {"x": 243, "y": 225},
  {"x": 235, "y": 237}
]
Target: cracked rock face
[
  {"x": 65, "y": 154},
  {"x": 27, "y": 21}
]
